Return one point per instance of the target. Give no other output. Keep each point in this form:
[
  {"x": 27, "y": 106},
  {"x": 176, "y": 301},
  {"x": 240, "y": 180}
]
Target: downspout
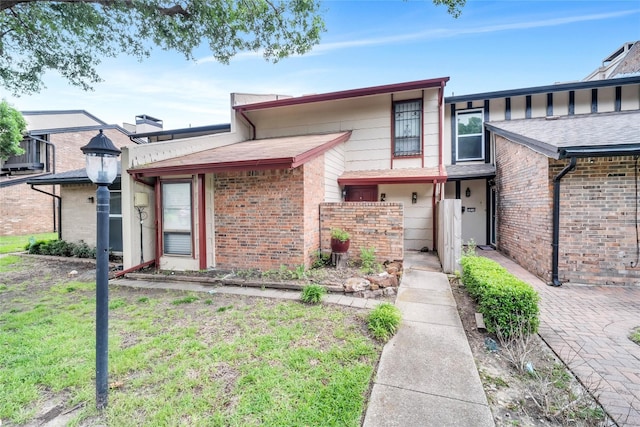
[
  {"x": 53, "y": 187},
  {"x": 59, "y": 208},
  {"x": 433, "y": 216},
  {"x": 556, "y": 221}
]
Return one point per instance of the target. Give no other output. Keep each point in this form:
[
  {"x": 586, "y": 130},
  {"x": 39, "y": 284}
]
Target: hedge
[{"x": 508, "y": 304}]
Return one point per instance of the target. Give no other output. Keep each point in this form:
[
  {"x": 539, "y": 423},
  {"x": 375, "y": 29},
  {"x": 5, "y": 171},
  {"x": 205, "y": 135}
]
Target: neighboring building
[
  {"x": 76, "y": 195},
  {"x": 623, "y": 62},
  {"x": 52, "y": 145},
  {"x": 504, "y": 151},
  {"x": 266, "y": 193}
]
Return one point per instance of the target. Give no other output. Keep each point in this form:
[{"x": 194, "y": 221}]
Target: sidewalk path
[
  {"x": 427, "y": 375},
  {"x": 588, "y": 328}
]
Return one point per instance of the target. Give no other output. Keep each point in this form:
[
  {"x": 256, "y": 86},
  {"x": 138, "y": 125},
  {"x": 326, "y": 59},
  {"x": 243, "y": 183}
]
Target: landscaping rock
[
  {"x": 384, "y": 280},
  {"x": 356, "y": 284}
]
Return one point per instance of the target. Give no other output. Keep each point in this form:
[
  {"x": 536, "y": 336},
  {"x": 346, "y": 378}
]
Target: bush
[
  {"x": 61, "y": 248},
  {"x": 508, "y": 304},
  {"x": 312, "y": 294},
  {"x": 368, "y": 259},
  {"x": 383, "y": 321}
]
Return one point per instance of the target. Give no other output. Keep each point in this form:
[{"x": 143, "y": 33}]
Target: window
[
  {"x": 470, "y": 136},
  {"x": 407, "y": 128},
  {"x": 176, "y": 218}
]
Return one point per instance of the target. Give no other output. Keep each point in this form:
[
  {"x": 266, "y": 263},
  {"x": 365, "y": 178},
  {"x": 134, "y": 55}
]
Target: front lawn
[
  {"x": 179, "y": 358},
  {"x": 10, "y": 244}
]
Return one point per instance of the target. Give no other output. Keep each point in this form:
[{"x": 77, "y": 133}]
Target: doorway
[{"x": 361, "y": 193}]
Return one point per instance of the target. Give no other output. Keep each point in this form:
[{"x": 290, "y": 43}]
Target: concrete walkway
[
  {"x": 427, "y": 375},
  {"x": 588, "y": 328}
]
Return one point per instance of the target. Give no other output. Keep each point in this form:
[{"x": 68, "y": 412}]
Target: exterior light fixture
[
  {"x": 383, "y": 197},
  {"x": 468, "y": 192},
  {"x": 414, "y": 198},
  {"x": 102, "y": 169},
  {"x": 344, "y": 193}
]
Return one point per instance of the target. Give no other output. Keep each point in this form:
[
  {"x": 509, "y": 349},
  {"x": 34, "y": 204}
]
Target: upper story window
[
  {"x": 407, "y": 128},
  {"x": 469, "y": 135},
  {"x": 176, "y": 218}
]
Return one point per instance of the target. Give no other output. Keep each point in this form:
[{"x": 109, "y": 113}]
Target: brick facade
[
  {"x": 259, "y": 219},
  {"x": 597, "y": 215},
  {"x": 371, "y": 224},
  {"x": 524, "y": 208},
  {"x": 598, "y": 221},
  {"x": 25, "y": 211}
]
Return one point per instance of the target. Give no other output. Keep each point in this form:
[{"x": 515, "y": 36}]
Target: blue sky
[{"x": 493, "y": 45}]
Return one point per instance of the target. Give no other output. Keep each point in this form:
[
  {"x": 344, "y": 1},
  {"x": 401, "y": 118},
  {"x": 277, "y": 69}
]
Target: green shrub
[
  {"x": 340, "y": 234},
  {"x": 83, "y": 250},
  {"x": 508, "y": 304},
  {"x": 321, "y": 259},
  {"x": 384, "y": 320},
  {"x": 368, "y": 259},
  {"x": 312, "y": 294}
]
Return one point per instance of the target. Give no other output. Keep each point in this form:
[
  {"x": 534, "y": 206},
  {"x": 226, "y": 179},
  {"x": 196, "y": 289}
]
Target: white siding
[
  {"x": 333, "y": 167},
  {"x": 418, "y": 218},
  {"x": 518, "y": 107},
  {"x": 539, "y": 105},
  {"x": 630, "y": 97},
  {"x": 561, "y": 103},
  {"x": 606, "y": 99},
  {"x": 583, "y": 102}
]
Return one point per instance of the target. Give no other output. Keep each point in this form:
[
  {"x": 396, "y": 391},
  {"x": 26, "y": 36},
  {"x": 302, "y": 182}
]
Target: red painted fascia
[
  {"x": 315, "y": 152},
  {"x": 352, "y": 93},
  {"x": 393, "y": 180},
  {"x": 261, "y": 164}
]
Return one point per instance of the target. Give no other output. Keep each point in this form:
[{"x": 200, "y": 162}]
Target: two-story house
[
  {"x": 264, "y": 194},
  {"x": 51, "y": 145},
  {"x": 548, "y": 174}
]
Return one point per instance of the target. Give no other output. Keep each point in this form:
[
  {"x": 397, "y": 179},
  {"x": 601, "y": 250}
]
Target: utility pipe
[
  {"x": 556, "y": 221},
  {"x": 59, "y": 208}
]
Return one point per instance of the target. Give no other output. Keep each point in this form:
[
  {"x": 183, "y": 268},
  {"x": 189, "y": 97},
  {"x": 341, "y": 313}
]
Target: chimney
[{"x": 145, "y": 123}]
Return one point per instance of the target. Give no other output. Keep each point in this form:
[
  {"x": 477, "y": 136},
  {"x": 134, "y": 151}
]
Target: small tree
[{"x": 12, "y": 128}]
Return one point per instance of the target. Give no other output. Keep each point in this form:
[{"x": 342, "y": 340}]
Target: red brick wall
[
  {"x": 524, "y": 206},
  {"x": 371, "y": 224},
  {"x": 598, "y": 221},
  {"x": 313, "y": 196},
  {"x": 25, "y": 211},
  {"x": 259, "y": 219}
]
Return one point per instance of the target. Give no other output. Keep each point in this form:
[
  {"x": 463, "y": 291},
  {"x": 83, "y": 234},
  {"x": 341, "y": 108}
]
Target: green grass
[
  {"x": 10, "y": 244},
  {"x": 226, "y": 361},
  {"x": 635, "y": 335},
  {"x": 384, "y": 320},
  {"x": 9, "y": 262}
]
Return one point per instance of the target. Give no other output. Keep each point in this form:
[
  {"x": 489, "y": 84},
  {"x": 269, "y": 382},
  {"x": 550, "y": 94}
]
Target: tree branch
[{"x": 168, "y": 11}]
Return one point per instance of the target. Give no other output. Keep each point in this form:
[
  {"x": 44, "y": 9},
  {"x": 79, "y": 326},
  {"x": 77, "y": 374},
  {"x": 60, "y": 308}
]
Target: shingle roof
[
  {"x": 592, "y": 134},
  {"x": 460, "y": 171},
  {"x": 391, "y": 176},
  {"x": 270, "y": 153},
  {"x": 77, "y": 176}
]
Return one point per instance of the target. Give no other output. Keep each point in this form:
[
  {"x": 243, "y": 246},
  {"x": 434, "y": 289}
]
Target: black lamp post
[{"x": 102, "y": 169}]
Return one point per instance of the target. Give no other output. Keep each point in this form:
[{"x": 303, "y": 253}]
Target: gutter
[
  {"x": 248, "y": 120},
  {"x": 556, "y": 220},
  {"x": 59, "y": 208}
]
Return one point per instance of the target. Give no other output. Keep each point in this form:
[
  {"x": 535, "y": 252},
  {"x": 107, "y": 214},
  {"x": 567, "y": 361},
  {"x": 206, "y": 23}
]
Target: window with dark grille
[
  {"x": 408, "y": 128},
  {"x": 470, "y": 136},
  {"x": 176, "y": 218}
]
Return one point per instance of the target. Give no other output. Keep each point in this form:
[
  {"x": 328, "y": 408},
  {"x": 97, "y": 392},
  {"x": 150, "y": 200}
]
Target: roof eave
[
  {"x": 195, "y": 169},
  {"x": 345, "y": 94},
  {"x": 601, "y": 151},
  {"x": 393, "y": 180}
]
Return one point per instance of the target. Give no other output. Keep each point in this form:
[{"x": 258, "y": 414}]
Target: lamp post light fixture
[{"x": 102, "y": 169}]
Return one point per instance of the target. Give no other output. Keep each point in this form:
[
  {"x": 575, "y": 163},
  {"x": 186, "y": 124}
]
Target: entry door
[{"x": 362, "y": 193}]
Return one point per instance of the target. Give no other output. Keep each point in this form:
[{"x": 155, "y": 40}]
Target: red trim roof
[
  {"x": 353, "y": 93},
  {"x": 393, "y": 176},
  {"x": 271, "y": 153}
]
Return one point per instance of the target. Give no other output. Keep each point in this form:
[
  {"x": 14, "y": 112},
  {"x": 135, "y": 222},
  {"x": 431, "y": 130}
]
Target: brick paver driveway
[{"x": 588, "y": 328}]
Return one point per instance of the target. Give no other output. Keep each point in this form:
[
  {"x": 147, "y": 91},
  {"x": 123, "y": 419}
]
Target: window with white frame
[
  {"x": 407, "y": 128},
  {"x": 469, "y": 135},
  {"x": 176, "y": 218}
]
